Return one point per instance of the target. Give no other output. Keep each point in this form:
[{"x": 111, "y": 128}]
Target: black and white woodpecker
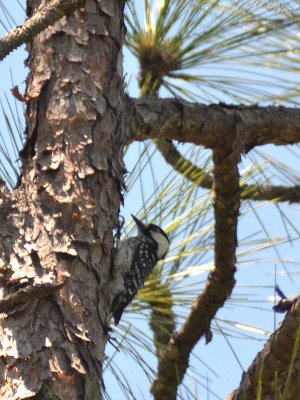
[{"x": 133, "y": 263}]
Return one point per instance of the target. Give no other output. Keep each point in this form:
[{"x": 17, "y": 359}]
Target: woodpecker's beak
[{"x": 139, "y": 224}]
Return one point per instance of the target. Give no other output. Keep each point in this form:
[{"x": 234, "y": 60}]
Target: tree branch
[
  {"x": 210, "y": 125},
  {"x": 270, "y": 192},
  {"x": 203, "y": 179},
  {"x": 272, "y": 365},
  {"x": 220, "y": 283},
  {"x": 182, "y": 165},
  {"x": 162, "y": 318},
  {"x": 43, "y": 18}
]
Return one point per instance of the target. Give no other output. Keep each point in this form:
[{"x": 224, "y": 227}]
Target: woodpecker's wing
[{"x": 134, "y": 262}]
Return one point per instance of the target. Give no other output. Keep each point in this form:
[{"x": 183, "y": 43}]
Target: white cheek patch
[{"x": 163, "y": 244}]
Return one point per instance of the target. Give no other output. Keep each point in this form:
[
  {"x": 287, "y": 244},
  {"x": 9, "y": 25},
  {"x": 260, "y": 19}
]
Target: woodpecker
[{"x": 133, "y": 263}]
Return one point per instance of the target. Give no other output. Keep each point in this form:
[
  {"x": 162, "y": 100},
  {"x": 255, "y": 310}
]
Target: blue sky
[{"x": 254, "y": 280}]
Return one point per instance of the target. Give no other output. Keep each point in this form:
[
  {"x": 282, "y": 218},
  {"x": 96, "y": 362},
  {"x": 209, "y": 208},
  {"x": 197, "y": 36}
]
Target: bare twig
[
  {"x": 43, "y": 18},
  {"x": 220, "y": 283}
]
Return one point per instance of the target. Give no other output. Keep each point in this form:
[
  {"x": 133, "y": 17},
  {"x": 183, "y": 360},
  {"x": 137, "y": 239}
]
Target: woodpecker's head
[{"x": 155, "y": 233}]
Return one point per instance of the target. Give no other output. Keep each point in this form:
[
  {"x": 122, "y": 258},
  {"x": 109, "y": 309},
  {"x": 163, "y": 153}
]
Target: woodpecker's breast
[
  {"x": 143, "y": 262},
  {"x": 134, "y": 261}
]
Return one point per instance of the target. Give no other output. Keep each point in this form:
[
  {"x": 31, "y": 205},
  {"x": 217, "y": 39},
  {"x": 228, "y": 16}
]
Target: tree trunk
[
  {"x": 56, "y": 237},
  {"x": 56, "y": 226}
]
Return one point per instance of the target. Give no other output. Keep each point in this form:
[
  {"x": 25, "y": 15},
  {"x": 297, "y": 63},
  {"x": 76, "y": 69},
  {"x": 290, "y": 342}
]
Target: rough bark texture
[
  {"x": 56, "y": 227},
  {"x": 279, "y": 358},
  {"x": 175, "y": 359},
  {"x": 210, "y": 125}
]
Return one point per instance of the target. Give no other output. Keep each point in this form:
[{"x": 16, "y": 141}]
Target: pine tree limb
[
  {"x": 175, "y": 359},
  {"x": 276, "y": 368},
  {"x": 210, "y": 125},
  {"x": 44, "y": 17},
  {"x": 203, "y": 179}
]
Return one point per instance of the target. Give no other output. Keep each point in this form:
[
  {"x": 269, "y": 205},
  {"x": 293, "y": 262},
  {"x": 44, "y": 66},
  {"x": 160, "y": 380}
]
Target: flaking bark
[
  {"x": 22, "y": 297},
  {"x": 57, "y": 225}
]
